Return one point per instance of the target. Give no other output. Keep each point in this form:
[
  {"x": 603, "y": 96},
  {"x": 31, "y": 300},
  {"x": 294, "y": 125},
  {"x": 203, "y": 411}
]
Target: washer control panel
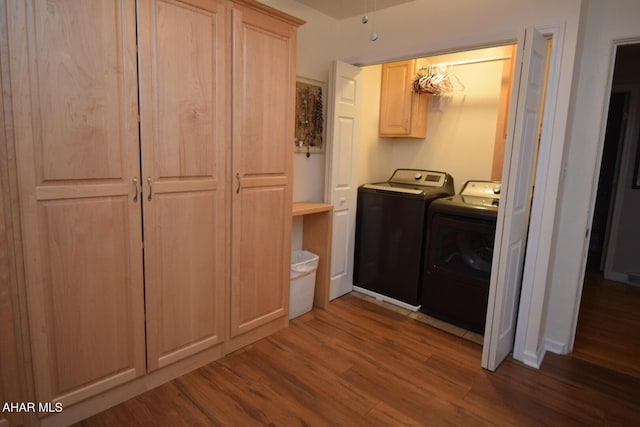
[
  {"x": 418, "y": 177},
  {"x": 487, "y": 189}
]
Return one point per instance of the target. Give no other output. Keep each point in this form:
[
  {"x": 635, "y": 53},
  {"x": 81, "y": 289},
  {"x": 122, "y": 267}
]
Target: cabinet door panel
[
  {"x": 262, "y": 96},
  {"x": 182, "y": 136},
  {"x": 261, "y": 147},
  {"x": 184, "y": 306},
  {"x": 86, "y": 258},
  {"x": 81, "y": 90},
  {"x": 74, "y": 103},
  {"x": 259, "y": 295},
  {"x": 403, "y": 113},
  {"x": 263, "y": 101},
  {"x": 185, "y": 77},
  {"x": 395, "y": 103}
]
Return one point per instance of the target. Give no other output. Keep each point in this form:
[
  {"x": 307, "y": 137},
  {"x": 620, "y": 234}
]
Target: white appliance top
[
  {"x": 418, "y": 177},
  {"x": 484, "y": 189},
  {"x": 412, "y": 181}
]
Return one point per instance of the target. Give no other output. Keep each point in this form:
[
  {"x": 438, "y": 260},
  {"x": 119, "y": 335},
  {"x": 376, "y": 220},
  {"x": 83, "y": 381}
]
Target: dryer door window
[{"x": 461, "y": 245}]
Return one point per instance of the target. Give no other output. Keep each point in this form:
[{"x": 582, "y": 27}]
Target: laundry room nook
[{"x": 428, "y": 127}]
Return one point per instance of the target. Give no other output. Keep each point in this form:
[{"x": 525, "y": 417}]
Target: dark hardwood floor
[
  {"x": 608, "y": 332},
  {"x": 359, "y": 364}
]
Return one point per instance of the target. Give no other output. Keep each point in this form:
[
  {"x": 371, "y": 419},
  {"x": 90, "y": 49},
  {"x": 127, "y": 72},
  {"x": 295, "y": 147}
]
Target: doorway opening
[
  {"x": 608, "y": 320},
  {"x": 506, "y": 302},
  {"x": 438, "y": 150},
  {"x": 466, "y": 134},
  {"x": 358, "y": 154}
]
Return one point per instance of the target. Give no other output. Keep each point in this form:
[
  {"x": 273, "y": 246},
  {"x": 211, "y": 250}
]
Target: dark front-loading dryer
[
  {"x": 390, "y": 231},
  {"x": 459, "y": 250}
]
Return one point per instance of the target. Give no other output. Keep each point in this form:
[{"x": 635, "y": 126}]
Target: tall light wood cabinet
[
  {"x": 403, "y": 113},
  {"x": 74, "y": 109},
  {"x": 263, "y": 85},
  {"x": 182, "y": 135},
  {"x": 153, "y": 143}
]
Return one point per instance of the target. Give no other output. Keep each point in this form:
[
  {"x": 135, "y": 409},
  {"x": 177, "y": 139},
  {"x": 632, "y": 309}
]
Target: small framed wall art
[{"x": 310, "y": 116}]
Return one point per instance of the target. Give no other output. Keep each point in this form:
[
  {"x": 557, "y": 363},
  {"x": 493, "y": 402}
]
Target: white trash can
[{"x": 303, "y": 282}]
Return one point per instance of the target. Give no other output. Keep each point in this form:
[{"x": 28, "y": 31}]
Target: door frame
[
  {"x": 594, "y": 184},
  {"x": 529, "y": 346}
]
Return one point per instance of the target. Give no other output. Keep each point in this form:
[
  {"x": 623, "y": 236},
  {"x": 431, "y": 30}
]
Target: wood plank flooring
[
  {"x": 359, "y": 364},
  {"x": 608, "y": 332}
]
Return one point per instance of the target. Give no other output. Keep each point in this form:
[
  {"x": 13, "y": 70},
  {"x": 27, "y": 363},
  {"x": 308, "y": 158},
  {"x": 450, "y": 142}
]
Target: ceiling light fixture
[
  {"x": 374, "y": 35},
  {"x": 365, "y": 18}
]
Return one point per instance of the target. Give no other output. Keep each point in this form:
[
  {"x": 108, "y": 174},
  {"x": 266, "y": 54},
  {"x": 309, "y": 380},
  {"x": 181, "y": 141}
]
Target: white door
[
  {"x": 513, "y": 217},
  {"x": 341, "y": 172}
]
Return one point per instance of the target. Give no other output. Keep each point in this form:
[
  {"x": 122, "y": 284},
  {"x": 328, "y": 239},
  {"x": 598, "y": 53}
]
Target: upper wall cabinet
[{"x": 403, "y": 113}]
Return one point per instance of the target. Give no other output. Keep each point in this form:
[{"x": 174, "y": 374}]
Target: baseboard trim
[
  {"x": 616, "y": 276},
  {"x": 532, "y": 359},
  {"x": 535, "y": 360},
  {"x": 556, "y": 347}
]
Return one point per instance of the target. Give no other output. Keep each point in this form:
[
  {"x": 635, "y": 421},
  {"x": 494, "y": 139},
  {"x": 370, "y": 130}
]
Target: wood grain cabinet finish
[
  {"x": 154, "y": 225},
  {"x": 75, "y": 119},
  {"x": 263, "y": 85},
  {"x": 403, "y": 113},
  {"x": 182, "y": 135}
]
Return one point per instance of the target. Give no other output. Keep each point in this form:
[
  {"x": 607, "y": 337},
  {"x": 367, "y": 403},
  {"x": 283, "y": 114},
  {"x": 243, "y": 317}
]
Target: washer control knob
[{"x": 417, "y": 176}]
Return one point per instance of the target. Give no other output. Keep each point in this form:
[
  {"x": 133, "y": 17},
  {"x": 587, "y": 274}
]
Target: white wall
[
  {"x": 461, "y": 127},
  {"x": 374, "y": 158},
  {"x": 606, "y": 22},
  {"x": 422, "y": 27}
]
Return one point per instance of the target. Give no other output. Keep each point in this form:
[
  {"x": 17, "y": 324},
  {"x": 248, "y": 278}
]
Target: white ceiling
[{"x": 341, "y": 9}]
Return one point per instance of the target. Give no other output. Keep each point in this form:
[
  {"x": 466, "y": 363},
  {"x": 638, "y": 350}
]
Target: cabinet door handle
[
  {"x": 150, "y": 188},
  {"x": 238, "y": 179},
  {"x": 135, "y": 187}
]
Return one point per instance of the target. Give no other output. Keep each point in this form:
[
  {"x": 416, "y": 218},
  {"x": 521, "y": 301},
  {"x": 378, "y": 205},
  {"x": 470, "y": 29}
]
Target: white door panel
[
  {"x": 340, "y": 255},
  {"x": 344, "y": 149},
  {"x": 341, "y": 172},
  {"x": 513, "y": 217}
]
